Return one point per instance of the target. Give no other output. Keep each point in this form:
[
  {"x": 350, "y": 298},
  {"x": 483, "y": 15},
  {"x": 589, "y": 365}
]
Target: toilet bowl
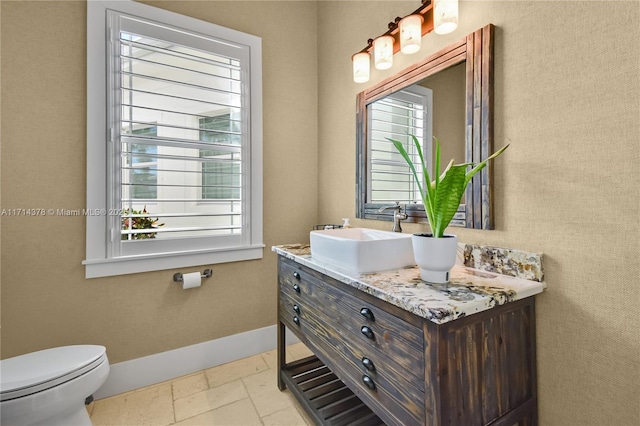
[{"x": 49, "y": 387}]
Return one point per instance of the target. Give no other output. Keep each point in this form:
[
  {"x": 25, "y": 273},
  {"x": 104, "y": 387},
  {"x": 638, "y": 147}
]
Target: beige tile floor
[{"x": 242, "y": 392}]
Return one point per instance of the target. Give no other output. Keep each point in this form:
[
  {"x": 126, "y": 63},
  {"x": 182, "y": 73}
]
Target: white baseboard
[{"x": 140, "y": 372}]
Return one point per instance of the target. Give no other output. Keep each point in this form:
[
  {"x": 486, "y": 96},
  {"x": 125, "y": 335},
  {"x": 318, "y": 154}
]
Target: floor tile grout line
[
  {"x": 251, "y": 398},
  {"x": 173, "y": 402},
  {"x": 222, "y": 365},
  {"x": 217, "y": 408},
  {"x": 252, "y": 401}
]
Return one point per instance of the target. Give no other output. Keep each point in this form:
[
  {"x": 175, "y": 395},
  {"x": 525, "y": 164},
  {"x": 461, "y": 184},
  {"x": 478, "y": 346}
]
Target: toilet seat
[{"x": 34, "y": 372}]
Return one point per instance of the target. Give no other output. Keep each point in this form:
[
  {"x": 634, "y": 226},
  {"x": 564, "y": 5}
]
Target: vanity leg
[
  {"x": 530, "y": 419},
  {"x": 281, "y": 354}
]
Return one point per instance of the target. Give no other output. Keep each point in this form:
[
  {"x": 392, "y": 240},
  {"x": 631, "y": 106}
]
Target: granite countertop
[{"x": 482, "y": 278}]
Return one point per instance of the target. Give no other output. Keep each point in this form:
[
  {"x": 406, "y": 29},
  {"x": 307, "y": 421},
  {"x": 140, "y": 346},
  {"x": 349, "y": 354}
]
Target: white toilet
[{"x": 49, "y": 387}]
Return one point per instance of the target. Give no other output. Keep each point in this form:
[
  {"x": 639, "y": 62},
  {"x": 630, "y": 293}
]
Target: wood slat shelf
[{"x": 324, "y": 397}]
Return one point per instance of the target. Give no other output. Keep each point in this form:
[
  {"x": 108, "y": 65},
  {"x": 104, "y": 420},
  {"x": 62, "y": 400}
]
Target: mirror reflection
[{"x": 434, "y": 106}]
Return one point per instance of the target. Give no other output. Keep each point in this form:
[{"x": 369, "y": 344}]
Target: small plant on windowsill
[
  {"x": 436, "y": 252},
  {"x": 131, "y": 223}
]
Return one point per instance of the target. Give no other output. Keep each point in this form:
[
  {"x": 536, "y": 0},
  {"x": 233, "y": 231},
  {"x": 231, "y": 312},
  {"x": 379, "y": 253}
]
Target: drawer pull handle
[
  {"x": 366, "y": 312},
  {"x": 296, "y": 287},
  {"x": 367, "y": 332},
  {"x": 368, "y": 364},
  {"x": 296, "y": 309},
  {"x": 369, "y": 382},
  {"x": 296, "y": 320},
  {"x": 296, "y": 275}
]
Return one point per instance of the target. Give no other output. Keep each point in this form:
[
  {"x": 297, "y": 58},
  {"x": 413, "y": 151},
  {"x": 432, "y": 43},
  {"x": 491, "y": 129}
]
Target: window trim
[{"x": 99, "y": 262}]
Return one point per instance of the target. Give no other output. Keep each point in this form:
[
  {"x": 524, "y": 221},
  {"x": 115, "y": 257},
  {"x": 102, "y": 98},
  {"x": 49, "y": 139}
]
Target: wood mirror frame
[{"x": 476, "y": 50}]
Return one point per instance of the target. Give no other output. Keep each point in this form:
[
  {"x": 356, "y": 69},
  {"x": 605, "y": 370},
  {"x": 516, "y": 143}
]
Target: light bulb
[
  {"x": 410, "y": 34},
  {"x": 383, "y": 52},
  {"x": 361, "y": 64},
  {"x": 445, "y": 16}
]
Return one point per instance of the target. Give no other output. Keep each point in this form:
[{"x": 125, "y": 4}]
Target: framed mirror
[{"x": 448, "y": 95}]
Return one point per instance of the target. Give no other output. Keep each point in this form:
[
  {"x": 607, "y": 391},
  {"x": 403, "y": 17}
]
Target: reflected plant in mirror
[{"x": 440, "y": 196}]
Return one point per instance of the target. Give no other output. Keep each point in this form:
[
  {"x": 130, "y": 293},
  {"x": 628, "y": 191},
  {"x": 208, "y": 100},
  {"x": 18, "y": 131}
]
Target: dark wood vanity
[{"x": 376, "y": 363}]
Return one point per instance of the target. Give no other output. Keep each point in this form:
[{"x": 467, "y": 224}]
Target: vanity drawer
[
  {"x": 384, "y": 389},
  {"x": 293, "y": 280},
  {"x": 395, "y": 342},
  {"x": 293, "y": 314}
]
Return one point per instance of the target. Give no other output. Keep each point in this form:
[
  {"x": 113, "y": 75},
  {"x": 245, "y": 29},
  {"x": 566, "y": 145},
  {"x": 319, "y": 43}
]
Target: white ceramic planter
[{"x": 435, "y": 256}]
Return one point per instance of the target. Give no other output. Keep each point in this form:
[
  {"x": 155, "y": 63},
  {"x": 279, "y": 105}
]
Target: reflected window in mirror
[{"x": 404, "y": 113}]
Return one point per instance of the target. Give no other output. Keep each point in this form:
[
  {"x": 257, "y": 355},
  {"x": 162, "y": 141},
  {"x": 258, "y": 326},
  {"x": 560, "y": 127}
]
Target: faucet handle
[{"x": 402, "y": 216}]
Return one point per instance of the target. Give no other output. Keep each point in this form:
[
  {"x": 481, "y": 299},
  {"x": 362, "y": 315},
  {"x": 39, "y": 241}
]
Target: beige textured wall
[
  {"x": 567, "y": 98},
  {"x": 449, "y": 110},
  {"x": 46, "y": 301}
]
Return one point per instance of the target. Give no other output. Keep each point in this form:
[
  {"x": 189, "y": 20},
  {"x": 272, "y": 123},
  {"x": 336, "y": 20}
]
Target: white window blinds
[
  {"x": 397, "y": 117},
  {"x": 190, "y": 90}
]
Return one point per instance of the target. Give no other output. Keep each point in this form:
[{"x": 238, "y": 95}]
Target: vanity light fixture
[
  {"x": 445, "y": 16},
  {"x": 411, "y": 34},
  {"x": 405, "y": 34},
  {"x": 383, "y": 52}
]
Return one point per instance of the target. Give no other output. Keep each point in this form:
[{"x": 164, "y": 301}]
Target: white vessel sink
[{"x": 362, "y": 250}]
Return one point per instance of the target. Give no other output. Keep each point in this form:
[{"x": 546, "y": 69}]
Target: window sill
[{"x": 134, "y": 264}]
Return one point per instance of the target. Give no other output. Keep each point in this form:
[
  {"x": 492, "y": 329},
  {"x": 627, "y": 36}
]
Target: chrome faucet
[{"x": 397, "y": 216}]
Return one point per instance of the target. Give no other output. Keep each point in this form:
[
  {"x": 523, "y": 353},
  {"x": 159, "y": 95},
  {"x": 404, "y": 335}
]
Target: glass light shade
[
  {"x": 361, "y": 64},
  {"x": 410, "y": 34},
  {"x": 383, "y": 52},
  {"x": 445, "y": 16}
]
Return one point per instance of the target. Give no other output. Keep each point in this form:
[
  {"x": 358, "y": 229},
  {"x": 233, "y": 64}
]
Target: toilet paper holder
[{"x": 207, "y": 273}]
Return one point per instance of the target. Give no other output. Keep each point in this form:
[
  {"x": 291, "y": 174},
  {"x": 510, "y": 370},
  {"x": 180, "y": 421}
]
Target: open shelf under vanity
[{"x": 324, "y": 396}]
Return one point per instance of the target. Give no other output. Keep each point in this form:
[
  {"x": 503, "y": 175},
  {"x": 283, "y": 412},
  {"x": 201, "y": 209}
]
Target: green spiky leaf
[
  {"x": 441, "y": 197},
  {"x": 447, "y": 198}
]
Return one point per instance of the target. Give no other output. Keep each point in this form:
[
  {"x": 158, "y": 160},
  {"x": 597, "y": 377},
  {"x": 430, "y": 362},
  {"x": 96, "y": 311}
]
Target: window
[
  {"x": 398, "y": 116},
  {"x": 175, "y": 103},
  {"x": 221, "y": 171},
  {"x": 141, "y": 168}
]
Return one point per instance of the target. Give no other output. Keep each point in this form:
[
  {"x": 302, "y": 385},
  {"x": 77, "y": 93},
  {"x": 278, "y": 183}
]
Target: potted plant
[
  {"x": 435, "y": 252},
  {"x": 130, "y": 220}
]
